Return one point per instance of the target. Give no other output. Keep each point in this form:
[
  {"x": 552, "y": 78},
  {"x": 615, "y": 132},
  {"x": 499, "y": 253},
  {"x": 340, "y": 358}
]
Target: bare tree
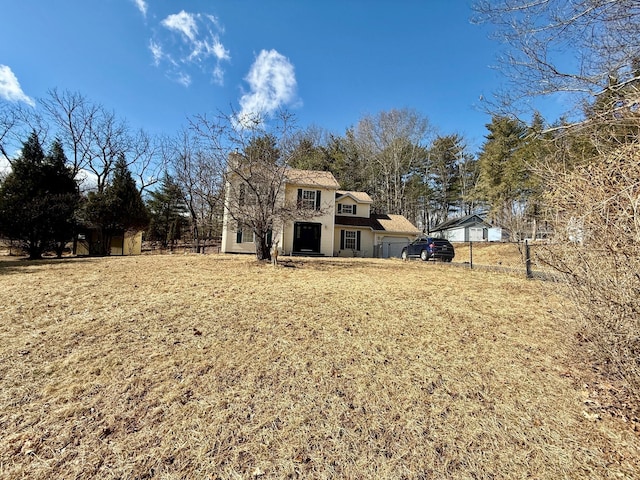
[
  {"x": 393, "y": 143},
  {"x": 254, "y": 159},
  {"x": 8, "y": 122},
  {"x": 145, "y": 159},
  {"x": 95, "y": 137},
  {"x": 108, "y": 139},
  {"x": 198, "y": 175},
  {"x": 556, "y": 46},
  {"x": 73, "y": 116}
]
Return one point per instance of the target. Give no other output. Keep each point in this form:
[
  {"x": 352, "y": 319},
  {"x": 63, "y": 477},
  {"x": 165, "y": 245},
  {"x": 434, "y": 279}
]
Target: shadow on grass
[{"x": 13, "y": 265}]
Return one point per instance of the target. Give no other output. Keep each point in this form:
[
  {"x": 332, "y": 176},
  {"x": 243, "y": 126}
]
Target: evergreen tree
[
  {"x": 167, "y": 212},
  {"x": 500, "y": 168},
  {"x": 347, "y": 163},
  {"x": 507, "y": 165},
  {"x": 38, "y": 199},
  {"x": 117, "y": 209},
  {"x": 444, "y": 177}
]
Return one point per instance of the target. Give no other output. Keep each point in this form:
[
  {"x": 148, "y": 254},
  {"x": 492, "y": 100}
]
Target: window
[
  {"x": 246, "y": 196},
  {"x": 244, "y": 233},
  {"x": 309, "y": 199},
  {"x": 346, "y": 209},
  {"x": 349, "y": 240}
]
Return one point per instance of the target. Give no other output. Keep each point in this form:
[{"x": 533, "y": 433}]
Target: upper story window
[
  {"x": 246, "y": 196},
  {"x": 346, "y": 209},
  {"x": 309, "y": 199}
]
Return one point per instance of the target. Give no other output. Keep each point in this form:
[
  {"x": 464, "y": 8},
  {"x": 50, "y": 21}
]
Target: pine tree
[
  {"x": 508, "y": 182},
  {"x": 167, "y": 212},
  {"x": 444, "y": 176},
  {"x": 117, "y": 209},
  {"x": 38, "y": 199}
]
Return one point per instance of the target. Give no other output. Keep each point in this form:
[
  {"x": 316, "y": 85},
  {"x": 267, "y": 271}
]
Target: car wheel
[
  {"x": 404, "y": 254},
  {"x": 424, "y": 255}
]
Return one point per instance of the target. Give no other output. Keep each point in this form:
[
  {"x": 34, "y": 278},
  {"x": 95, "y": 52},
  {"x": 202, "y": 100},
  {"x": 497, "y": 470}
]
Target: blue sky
[{"x": 329, "y": 62}]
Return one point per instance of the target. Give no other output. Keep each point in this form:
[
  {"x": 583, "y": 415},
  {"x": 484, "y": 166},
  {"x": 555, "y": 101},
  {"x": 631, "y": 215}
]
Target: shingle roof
[
  {"x": 396, "y": 223},
  {"x": 472, "y": 219},
  {"x": 362, "y": 197},
  {"x": 379, "y": 223},
  {"x": 312, "y": 178}
]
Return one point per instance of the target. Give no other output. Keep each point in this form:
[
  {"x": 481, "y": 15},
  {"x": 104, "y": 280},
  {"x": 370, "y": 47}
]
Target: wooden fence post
[
  {"x": 527, "y": 258},
  {"x": 471, "y": 254}
]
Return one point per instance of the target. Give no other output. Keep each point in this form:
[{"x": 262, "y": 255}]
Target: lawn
[{"x": 211, "y": 366}]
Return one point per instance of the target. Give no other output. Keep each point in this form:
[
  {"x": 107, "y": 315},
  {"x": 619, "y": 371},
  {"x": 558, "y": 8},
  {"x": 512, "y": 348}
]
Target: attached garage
[{"x": 391, "y": 247}]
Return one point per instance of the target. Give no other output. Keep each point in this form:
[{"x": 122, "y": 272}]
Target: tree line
[{"x": 395, "y": 156}]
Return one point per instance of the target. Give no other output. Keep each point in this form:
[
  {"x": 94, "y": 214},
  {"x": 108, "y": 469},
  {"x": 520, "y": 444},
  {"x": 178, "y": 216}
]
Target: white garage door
[{"x": 392, "y": 246}]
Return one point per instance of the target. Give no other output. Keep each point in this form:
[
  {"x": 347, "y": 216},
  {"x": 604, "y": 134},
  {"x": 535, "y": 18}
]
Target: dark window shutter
[
  {"x": 239, "y": 234},
  {"x": 299, "y": 198},
  {"x": 358, "y": 240},
  {"x": 317, "y": 199},
  {"x": 269, "y": 237},
  {"x": 341, "y": 239},
  {"x": 339, "y": 208},
  {"x": 354, "y": 212}
]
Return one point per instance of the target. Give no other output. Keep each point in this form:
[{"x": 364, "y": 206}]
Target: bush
[{"x": 597, "y": 248}]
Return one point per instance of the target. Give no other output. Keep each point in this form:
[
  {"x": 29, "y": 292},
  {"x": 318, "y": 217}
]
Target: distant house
[
  {"x": 470, "y": 228},
  {"x": 344, "y": 225}
]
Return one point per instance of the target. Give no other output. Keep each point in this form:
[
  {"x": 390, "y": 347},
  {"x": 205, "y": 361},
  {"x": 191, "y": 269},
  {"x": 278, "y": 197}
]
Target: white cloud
[
  {"x": 198, "y": 41},
  {"x": 142, "y": 6},
  {"x": 5, "y": 166},
  {"x": 10, "y": 87},
  {"x": 272, "y": 84},
  {"x": 156, "y": 51},
  {"x": 219, "y": 51},
  {"x": 218, "y": 75},
  {"x": 184, "y": 23},
  {"x": 183, "y": 79},
  {"x": 87, "y": 181}
]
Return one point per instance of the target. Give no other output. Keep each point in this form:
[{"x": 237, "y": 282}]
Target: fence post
[
  {"x": 471, "y": 254},
  {"x": 527, "y": 258}
]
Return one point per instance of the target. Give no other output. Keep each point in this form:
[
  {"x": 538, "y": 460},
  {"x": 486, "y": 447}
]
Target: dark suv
[{"x": 429, "y": 247}]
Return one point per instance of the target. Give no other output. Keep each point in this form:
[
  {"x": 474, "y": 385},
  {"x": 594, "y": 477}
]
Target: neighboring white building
[{"x": 470, "y": 228}]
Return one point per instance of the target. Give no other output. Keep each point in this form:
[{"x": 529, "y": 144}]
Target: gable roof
[
  {"x": 379, "y": 223},
  {"x": 312, "y": 178},
  {"x": 360, "y": 197},
  {"x": 473, "y": 220},
  {"x": 396, "y": 223}
]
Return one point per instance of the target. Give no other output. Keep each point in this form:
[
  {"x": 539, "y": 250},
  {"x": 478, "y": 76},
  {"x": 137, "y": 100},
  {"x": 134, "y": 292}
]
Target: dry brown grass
[
  {"x": 490, "y": 253},
  {"x": 190, "y": 366}
]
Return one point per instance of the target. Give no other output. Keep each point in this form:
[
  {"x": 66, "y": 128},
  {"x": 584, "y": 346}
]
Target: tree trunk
[
  {"x": 35, "y": 252},
  {"x": 263, "y": 250}
]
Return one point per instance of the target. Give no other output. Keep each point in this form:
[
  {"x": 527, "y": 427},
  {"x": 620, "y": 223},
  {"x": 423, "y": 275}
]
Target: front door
[{"x": 306, "y": 237}]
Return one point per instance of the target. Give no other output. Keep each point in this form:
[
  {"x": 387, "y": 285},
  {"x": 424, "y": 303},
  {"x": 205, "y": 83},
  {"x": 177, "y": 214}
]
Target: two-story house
[{"x": 341, "y": 223}]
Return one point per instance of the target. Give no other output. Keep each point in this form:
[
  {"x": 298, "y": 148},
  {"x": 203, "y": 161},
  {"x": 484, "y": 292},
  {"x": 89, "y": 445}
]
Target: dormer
[{"x": 353, "y": 204}]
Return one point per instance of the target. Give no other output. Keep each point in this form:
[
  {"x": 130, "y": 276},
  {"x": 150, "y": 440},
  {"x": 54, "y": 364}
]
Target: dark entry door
[{"x": 306, "y": 237}]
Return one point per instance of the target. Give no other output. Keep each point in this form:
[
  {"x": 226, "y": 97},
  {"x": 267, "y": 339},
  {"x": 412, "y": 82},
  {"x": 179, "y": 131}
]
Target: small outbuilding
[{"x": 121, "y": 244}]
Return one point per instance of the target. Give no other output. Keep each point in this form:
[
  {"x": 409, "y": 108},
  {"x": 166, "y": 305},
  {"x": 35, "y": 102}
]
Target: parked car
[{"x": 429, "y": 247}]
